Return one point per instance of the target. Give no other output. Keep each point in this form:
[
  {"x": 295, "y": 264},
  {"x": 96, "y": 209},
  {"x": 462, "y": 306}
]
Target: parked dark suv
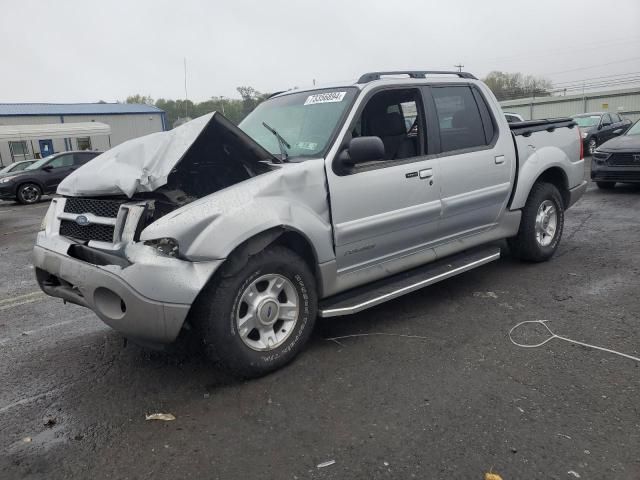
[
  {"x": 618, "y": 160},
  {"x": 42, "y": 177},
  {"x": 598, "y": 127}
]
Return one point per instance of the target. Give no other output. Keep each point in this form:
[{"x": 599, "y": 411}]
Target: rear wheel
[
  {"x": 592, "y": 145},
  {"x": 257, "y": 319},
  {"x": 541, "y": 224},
  {"x": 606, "y": 185},
  {"x": 29, "y": 193}
]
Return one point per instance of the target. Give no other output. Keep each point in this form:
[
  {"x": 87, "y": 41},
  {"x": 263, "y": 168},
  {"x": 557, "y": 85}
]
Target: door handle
[
  {"x": 426, "y": 173},
  {"x": 499, "y": 159}
]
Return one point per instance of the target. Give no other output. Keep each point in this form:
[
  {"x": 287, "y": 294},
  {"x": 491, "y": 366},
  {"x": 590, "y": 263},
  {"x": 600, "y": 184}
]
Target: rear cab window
[{"x": 464, "y": 120}]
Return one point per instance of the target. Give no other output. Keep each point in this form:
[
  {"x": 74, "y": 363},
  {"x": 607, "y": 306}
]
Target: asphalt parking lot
[{"x": 450, "y": 397}]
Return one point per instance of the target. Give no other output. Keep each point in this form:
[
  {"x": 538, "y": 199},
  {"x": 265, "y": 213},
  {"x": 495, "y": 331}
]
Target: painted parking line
[
  {"x": 18, "y": 298},
  {"x": 25, "y": 401},
  {"x": 8, "y": 303},
  {"x": 35, "y": 331},
  {"x": 22, "y": 209},
  {"x": 20, "y": 231}
]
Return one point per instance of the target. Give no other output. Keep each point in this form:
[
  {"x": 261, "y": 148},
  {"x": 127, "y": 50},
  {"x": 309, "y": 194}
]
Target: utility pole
[
  {"x": 459, "y": 67},
  {"x": 186, "y": 96}
]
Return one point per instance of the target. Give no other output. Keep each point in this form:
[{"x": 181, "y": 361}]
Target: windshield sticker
[
  {"x": 307, "y": 145},
  {"x": 330, "y": 97}
]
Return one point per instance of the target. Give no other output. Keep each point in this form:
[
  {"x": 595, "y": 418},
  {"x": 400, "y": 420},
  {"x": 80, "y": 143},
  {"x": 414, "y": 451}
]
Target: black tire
[
  {"x": 606, "y": 185},
  {"x": 592, "y": 145},
  {"x": 28, "y": 193},
  {"x": 214, "y": 314},
  {"x": 525, "y": 245}
]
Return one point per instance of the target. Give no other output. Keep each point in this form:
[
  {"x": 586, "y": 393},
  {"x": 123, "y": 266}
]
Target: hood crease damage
[{"x": 191, "y": 161}]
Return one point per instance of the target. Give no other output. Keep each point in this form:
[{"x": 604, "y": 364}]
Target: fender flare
[{"x": 532, "y": 171}]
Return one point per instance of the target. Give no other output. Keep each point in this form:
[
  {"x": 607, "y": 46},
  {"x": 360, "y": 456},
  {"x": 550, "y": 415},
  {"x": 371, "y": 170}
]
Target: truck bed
[{"x": 548, "y": 124}]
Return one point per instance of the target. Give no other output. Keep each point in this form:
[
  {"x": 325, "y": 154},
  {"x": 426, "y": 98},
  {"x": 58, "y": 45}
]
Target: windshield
[
  {"x": 306, "y": 121},
  {"x": 590, "y": 121},
  {"x": 39, "y": 163},
  {"x": 635, "y": 129}
]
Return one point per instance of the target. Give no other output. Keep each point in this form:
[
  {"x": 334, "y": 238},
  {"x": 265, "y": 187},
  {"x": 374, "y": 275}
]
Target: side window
[
  {"x": 81, "y": 158},
  {"x": 19, "y": 150},
  {"x": 394, "y": 116},
  {"x": 409, "y": 112},
  {"x": 84, "y": 143},
  {"x": 61, "y": 161},
  {"x": 459, "y": 119},
  {"x": 606, "y": 119},
  {"x": 615, "y": 118}
]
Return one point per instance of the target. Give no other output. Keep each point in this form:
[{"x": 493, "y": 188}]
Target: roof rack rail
[{"x": 371, "y": 76}]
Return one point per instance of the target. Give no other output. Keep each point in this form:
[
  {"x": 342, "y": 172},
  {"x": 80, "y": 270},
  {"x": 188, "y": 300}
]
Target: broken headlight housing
[
  {"x": 48, "y": 215},
  {"x": 165, "y": 246}
]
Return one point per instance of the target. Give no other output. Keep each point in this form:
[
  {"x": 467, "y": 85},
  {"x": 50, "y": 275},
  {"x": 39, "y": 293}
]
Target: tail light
[{"x": 581, "y": 144}]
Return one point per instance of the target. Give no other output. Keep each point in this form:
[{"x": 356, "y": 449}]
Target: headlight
[
  {"x": 7, "y": 179},
  {"x": 164, "y": 246},
  {"x": 584, "y": 134},
  {"x": 48, "y": 215}
]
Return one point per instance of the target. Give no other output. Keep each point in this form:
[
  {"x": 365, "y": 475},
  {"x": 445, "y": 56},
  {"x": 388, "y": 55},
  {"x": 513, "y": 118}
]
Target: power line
[
  {"x": 582, "y": 47},
  {"x": 594, "y": 66},
  {"x": 597, "y": 78}
]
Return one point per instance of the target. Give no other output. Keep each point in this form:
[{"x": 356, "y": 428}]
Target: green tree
[
  {"x": 233, "y": 108},
  {"x": 141, "y": 99},
  {"x": 507, "y": 86}
]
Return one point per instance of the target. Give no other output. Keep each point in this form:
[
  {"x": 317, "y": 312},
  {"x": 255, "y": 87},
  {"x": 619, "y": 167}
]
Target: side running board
[{"x": 367, "y": 296}]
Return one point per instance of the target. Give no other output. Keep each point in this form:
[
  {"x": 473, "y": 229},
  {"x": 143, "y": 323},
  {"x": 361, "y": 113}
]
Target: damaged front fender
[{"x": 293, "y": 197}]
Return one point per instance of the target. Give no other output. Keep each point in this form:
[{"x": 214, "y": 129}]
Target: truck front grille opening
[
  {"x": 102, "y": 233},
  {"x": 100, "y": 208}
]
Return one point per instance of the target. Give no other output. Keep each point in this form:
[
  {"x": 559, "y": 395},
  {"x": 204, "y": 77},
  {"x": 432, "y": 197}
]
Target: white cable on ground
[{"x": 559, "y": 337}]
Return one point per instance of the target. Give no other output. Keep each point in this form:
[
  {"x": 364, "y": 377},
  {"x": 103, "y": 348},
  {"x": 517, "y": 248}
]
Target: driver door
[
  {"x": 386, "y": 212},
  {"x": 61, "y": 166}
]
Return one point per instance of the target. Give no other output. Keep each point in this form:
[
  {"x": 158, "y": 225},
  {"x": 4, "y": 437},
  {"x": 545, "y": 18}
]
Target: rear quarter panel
[{"x": 543, "y": 150}]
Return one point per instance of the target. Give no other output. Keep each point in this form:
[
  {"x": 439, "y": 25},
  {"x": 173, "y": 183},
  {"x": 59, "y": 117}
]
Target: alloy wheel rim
[
  {"x": 546, "y": 223},
  {"x": 267, "y": 312},
  {"x": 29, "y": 193}
]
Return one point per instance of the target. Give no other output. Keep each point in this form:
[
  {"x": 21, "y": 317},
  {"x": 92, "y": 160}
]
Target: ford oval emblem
[{"x": 82, "y": 221}]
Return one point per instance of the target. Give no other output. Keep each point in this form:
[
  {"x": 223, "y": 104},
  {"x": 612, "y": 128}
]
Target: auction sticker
[{"x": 330, "y": 97}]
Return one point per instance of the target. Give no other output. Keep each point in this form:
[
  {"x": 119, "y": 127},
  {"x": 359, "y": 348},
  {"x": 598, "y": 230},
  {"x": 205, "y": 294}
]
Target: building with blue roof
[{"x": 126, "y": 121}]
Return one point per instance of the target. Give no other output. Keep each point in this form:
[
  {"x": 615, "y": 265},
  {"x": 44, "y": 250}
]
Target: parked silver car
[{"x": 323, "y": 202}]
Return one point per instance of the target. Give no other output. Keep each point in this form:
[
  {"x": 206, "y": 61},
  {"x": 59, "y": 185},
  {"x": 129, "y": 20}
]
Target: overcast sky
[{"x": 77, "y": 51}]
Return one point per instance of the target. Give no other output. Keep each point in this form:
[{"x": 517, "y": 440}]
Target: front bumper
[
  {"x": 7, "y": 190},
  {"x": 146, "y": 298},
  {"x": 605, "y": 173}
]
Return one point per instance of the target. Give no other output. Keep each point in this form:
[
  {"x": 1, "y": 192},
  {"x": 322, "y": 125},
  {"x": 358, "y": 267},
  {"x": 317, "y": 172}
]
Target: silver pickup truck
[{"x": 322, "y": 202}]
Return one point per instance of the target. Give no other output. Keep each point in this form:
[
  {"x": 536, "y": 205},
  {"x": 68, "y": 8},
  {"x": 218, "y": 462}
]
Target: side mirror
[
  {"x": 47, "y": 168},
  {"x": 363, "y": 149}
]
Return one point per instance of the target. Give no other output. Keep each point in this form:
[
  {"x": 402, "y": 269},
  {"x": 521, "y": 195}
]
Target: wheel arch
[
  {"x": 557, "y": 177},
  {"x": 283, "y": 235},
  {"x": 553, "y": 174}
]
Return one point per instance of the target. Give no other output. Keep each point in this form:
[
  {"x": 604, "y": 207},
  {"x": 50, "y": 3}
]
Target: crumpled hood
[
  {"x": 622, "y": 143},
  {"x": 144, "y": 164}
]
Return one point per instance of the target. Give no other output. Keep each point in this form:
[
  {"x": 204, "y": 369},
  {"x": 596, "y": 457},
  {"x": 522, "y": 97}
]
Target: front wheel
[
  {"x": 541, "y": 225},
  {"x": 606, "y": 185},
  {"x": 257, "y": 319},
  {"x": 29, "y": 193}
]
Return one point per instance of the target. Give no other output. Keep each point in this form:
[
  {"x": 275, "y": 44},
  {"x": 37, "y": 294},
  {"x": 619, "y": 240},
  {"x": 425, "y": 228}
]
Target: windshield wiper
[{"x": 282, "y": 143}]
